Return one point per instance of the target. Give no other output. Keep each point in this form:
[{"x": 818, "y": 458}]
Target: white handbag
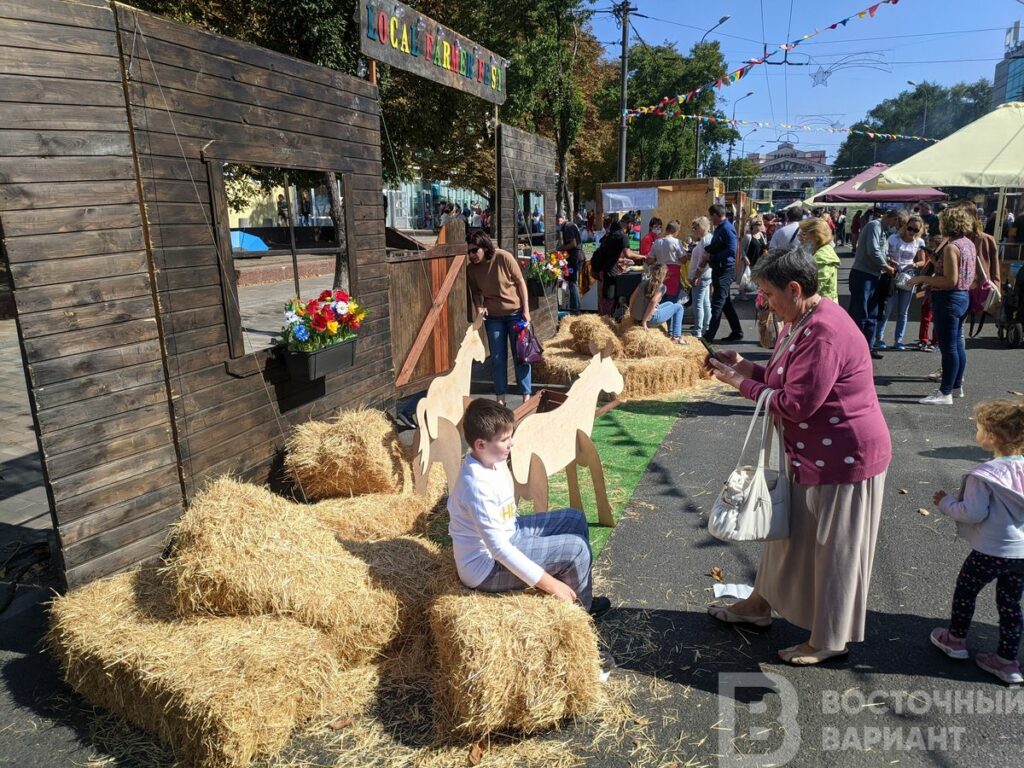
[{"x": 754, "y": 504}]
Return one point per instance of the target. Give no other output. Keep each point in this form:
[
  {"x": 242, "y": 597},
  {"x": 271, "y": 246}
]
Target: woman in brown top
[{"x": 498, "y": 290}]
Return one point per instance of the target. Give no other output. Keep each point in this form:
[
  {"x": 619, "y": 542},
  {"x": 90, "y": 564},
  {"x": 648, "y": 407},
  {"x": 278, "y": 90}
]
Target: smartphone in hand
[{"x": 711, "y": 350}]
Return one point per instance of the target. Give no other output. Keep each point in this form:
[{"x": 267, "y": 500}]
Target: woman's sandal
[
  {"x": 724, "y": 614},
  {"x": 793, "y": 655}
]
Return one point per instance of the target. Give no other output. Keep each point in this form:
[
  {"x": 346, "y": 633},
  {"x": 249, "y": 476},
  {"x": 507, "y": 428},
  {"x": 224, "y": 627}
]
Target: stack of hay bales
[
  {"x": 269, "y": 612},
  {"x": 650, "y": 362}
]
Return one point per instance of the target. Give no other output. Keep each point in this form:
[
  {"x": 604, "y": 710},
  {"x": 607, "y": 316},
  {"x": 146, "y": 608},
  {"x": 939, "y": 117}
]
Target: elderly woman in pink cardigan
[{"x": 838, "y": 449}]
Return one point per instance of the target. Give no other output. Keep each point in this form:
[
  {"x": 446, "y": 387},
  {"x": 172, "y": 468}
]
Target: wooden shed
[{"x": 682, "y": 199}]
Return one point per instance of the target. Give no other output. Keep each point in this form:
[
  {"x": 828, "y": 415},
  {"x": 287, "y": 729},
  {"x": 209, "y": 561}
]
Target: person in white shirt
[
  {"x": 700, "y": 276},
  {"x": 496, "y": 550},
  {"x": 785, "y": 237},
  {"x": 669, "y": 251},
  {"x": 902, "y": 252}
]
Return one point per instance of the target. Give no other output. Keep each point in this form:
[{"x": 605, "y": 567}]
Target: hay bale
[
  {"x": 639, "y": 342},
  {"x": 512, "y": 661},
  {"x": 355, "y": 453},
  {"x": 591, "y": 329},
  {"x": 242, "y": 551},
  {"x": 384, "y": 515},
  {"x": 218, "y": 691}
]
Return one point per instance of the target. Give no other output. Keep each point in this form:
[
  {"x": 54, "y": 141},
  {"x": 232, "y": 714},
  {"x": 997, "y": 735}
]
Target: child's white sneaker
[
  {"x": 1007, "y": 671},
  {"x": 937, "y": 398},
  {"x": 952, "y": 646}
]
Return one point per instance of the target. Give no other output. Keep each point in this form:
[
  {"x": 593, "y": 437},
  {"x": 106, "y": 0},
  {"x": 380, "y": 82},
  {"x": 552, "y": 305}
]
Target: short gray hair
[{"x": 781, "y": 268}]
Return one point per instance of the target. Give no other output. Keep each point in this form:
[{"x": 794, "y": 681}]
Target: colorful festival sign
[{"x": 396, "y": 34}]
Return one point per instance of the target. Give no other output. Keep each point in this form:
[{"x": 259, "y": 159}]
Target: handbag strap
[{"x": 762, "y": 403}]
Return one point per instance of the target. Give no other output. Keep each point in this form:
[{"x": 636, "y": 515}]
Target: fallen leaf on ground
[
  {"x": 716, "y": 574},
  {"x": 902, "y": 491},
  {"x": 341, "y": 723},
  {"x": 476, "y": 752},
  {"x": 923, "y": 511}
]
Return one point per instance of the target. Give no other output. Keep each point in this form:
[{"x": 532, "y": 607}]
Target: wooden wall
[
  {"x": 108, "y": 117},
  {"x": 194, "y": 95},
  {"x": 526, "y": 162},
  {"x": 82, "y": 286}
]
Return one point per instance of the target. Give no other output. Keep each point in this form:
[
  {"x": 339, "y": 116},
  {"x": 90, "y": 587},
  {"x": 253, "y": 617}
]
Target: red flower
[
  {"x": 340, "y": 296},
  {"x": 353, "y": 325},
  {"x": 325, "y": 296},
  {"x": 328, "y": 314},
  {"x": 318, "y": 322},
  {"x": 312, "y": 307}
]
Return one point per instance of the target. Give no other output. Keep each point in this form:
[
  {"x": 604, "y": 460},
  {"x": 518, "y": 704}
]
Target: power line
[
  {"x": 767, "y": 82},
  {"x": 690, "y": 26},
  {"x": 785, "y": 80}
]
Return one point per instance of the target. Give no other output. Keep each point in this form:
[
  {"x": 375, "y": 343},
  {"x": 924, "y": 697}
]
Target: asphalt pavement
[{"x": 718, "y": 695}]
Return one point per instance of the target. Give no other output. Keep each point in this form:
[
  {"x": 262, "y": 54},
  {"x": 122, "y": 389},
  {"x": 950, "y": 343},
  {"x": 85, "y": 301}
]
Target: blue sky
[{"x": 942, "y": 41}]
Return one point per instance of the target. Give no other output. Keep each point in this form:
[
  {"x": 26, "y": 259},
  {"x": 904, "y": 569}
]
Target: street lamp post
[
  {"x": 733, "y": 123},
  {"x": 924, "y": 122},
  {"x": 696, "y": 151}
]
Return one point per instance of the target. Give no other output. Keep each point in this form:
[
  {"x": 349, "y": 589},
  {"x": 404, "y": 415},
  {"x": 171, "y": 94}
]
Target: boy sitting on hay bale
[{"x": 497, "y": 551}]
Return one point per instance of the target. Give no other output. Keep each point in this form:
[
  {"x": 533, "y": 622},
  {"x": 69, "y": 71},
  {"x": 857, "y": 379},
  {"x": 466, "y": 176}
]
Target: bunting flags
[
  {"x": 737, "y": 74},
  {"x": 670, "y": 111}
]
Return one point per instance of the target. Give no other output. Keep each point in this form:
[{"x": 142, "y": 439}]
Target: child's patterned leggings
[{"x": 977, "y": 571}]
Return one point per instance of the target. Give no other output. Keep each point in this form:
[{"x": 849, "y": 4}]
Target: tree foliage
[{"x": 928, "y": 110}]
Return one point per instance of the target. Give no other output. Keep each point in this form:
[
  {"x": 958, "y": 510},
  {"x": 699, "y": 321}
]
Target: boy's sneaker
[
  {"x": 936, "y": 398},
  {"x": 600, "y": 606},
  {"x": 899, "y": 345},
  {"x": 879, "y": 344},
  {"x": 952, "y": 646},
  {"x": 1007, "y": 671}
]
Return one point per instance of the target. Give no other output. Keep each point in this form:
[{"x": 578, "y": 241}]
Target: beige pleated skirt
[{"x": 818, "y": 578}]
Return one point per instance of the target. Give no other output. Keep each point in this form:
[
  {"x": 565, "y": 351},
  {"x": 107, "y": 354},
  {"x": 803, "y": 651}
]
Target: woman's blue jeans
[
  {"x": 902, "y": 300},
  {"x": 501, "y": 334},
  {"x": 700, "y": 297},
  {"x": 949, "y": 309},
  {"x": 672, "y": 313}
]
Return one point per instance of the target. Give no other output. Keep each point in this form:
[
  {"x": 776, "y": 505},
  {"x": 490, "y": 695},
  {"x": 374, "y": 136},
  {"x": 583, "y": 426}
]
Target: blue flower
[{"x": 301, "y": 333}]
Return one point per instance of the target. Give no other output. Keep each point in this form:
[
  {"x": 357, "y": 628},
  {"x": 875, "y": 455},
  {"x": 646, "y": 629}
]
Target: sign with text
[{"x": 398, "y": 35}]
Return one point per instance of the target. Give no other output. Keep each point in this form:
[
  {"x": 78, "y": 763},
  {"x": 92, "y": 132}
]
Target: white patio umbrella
[{"x": 986, "y": 153}]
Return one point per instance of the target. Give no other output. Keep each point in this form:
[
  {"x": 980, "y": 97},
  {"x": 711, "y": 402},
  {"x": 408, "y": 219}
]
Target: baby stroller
[{"x": 1010, "y": 320}]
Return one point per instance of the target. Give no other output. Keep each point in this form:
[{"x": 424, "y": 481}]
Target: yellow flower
[
  {"x": 300, "y": 311},
  {"x": 361, "y": 316},
  {"x": 332, "y": 327}
]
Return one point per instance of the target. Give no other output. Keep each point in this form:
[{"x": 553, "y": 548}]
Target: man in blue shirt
[{"x": 722, "y": 259}]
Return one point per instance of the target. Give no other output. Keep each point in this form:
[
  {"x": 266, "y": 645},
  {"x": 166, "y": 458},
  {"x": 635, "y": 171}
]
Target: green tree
[{"x": 928, "y": 110}]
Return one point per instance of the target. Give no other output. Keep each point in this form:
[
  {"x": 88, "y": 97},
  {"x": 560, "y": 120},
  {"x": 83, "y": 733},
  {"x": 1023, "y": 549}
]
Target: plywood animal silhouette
[
  {"x": 439, "y": 414},
  {"x": 545, "y": 443}
]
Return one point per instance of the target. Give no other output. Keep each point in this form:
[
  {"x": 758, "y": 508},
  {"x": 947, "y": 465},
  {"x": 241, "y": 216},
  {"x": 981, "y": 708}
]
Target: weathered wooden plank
[
  {"x": 78, "y": 14},
  {"x": 57, "y": 37},
  {"x": 175, "y": 235},
  {"x": 172, "y": 169},
  {"x": 42, "y": 170},
  {"x": 25, "y": 223},
  {"x": 271, "y": 110},
  {"x": 74, "y": 66},
  {"x": 73, "y": 462},
  {"x": 190, "y": 212},
  {"x": 77, "y": 390},
  {"x": 184, "y": 256},
  {"x": 234, "y": 52},
  {"x": 114, "y": 539},
  {"x": 192, "y": 319},
  {"x": 190, "y": 341},
  {"x": 182, "y": 75},
  {"x": 119, "y": 514},
  {"x": 65, "y": 246},
  {"x": 100, "y": 477},
  {"x": 62, "y": 143},
  {"x": 86, "y": 410},
  {"x": 104, "y": 430},
  {"x": 38, "y": 273},
  {"x": 125, "y": 558},
  {"x": 66, "y": 194},
  {"x": 188, "y": 362},
  {"x": 62, "y": 369},
  {"x": 41, "y": 324},
  {"x": 44, "y": 94},
  {"x": 61, "y": 117},
  {"x": 90, "y": 340},
  {"x": 81, "y": 293},
  {"x": 176, "y": 279},
  {"x": 196, "y": 298}
]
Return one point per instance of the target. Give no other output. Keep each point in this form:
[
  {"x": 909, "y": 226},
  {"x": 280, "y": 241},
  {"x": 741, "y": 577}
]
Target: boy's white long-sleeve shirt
[{"x": 482, "y": 519}]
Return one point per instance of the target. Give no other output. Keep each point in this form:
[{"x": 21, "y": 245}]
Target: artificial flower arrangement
[
  {"x": 547, "y": 269},
  {"x": 330, "y": 319}
]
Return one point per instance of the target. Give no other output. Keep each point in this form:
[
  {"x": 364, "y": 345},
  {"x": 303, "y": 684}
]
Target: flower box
[
  {"x": 535, "y": 287},
  {"x": 310, "y": 366}
]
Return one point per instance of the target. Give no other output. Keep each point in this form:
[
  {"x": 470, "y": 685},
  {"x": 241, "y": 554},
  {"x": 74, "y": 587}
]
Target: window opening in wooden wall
[
  {"x": 287, "y": 238},
  {"x": 530, "y": 222}
]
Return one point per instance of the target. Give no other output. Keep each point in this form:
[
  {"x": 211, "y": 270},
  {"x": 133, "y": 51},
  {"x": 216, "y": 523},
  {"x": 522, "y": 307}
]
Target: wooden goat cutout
[
  {"x": 545, "y": 443},
  {"x": 439, "y": 414}
]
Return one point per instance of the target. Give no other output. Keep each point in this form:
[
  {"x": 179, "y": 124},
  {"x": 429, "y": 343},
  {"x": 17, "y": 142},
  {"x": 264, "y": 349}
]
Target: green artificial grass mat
[{"x": 627, "y": 438}]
